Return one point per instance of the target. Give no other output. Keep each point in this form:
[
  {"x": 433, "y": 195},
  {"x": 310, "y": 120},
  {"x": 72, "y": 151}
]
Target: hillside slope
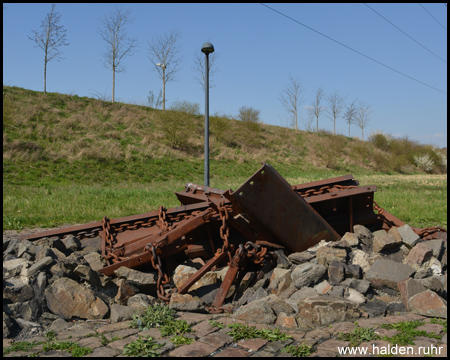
[{"x": 61, "y": 138}]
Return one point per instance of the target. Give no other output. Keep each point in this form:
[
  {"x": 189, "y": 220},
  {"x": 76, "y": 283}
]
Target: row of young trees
[
  {"x": 164, "y": 51},
  {"x": 355, "y": 112},
  {"x": 164, "y": 54}
]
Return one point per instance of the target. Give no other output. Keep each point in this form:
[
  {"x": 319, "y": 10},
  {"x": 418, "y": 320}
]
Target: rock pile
[{"x": 365, "y": 274}]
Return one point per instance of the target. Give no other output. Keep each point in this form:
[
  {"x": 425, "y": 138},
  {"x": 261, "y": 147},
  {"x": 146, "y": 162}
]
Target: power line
[
  {"x": 433, "y": 16},
  {"x": 405, "y": 33},
  {"x": 348, "y": 47}
]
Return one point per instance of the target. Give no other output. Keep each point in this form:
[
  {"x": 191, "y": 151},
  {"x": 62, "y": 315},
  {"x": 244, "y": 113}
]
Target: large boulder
[
  {"x": 66, "y": 298},
  {"x": 428, "y": 303}
]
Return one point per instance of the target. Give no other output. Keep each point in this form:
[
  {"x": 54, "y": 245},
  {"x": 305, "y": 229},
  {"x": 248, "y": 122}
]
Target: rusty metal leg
[
  {"x": 235, "y": 265},
  {"x": 218, "y": 257}
]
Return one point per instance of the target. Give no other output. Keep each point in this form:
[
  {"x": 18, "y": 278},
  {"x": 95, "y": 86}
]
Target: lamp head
[{"x": 207, "y": 48}]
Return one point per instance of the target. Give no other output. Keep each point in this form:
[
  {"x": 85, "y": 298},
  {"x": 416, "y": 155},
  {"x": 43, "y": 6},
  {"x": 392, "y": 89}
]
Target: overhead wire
[
  {"x": 433, "y": 16},
  {"x": 405, "y": 33},
  {"x": 348, "y": 47}
]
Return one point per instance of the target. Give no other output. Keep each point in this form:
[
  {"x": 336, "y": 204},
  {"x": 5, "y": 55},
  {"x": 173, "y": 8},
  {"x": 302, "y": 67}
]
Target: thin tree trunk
[
  {"x": 113, "y": 87},
  {"x": 45, "y": 77}
]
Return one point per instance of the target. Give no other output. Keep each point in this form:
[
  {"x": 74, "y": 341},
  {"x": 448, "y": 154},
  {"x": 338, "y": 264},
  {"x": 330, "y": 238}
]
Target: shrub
[
  {"x": 380, "y": 140},
  {"x": 186, "y": 106},
  {"x": 424, "y": 162},
  {"x": 249, "y": 115}
]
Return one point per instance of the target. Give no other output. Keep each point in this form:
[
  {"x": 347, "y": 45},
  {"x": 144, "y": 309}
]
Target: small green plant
[
  {"x": 75, "y": 349},
  {"x": 298, "y": 350},
  {"x": 440, "y": 322},
  {"x": 142, "y": 347},
  {"x": 358, "y": 335},
  {"x": 12, "y": 223},
  {"x": 215, "y": 323},
  {"x": 241, "y": 331},
  {"x": 181, "y": 340},
  {"x": 175, "y": 327},
  {"x": 20, "y": 346},
  {"x": 153, "y": 317},
  {"x": 50, "y": 335},
  {"x": 407, "y": 332}
]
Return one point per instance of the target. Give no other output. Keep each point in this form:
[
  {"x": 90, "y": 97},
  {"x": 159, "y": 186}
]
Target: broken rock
[
  {"x": 428, "y": 303},
  {"x": 66, "y": 298},
  {"x": 388, "y": 273}
]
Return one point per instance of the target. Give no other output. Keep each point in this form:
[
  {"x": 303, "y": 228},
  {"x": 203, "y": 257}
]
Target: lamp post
[
  {"x": 207, "y": 48},
  {"x": 163, "y": 67}
]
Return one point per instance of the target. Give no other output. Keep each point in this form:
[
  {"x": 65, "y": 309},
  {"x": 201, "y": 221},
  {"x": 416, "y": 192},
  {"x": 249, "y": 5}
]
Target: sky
[{"x": 391, "y": 57}]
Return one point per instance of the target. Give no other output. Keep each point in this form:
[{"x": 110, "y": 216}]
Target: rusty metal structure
[{"x": 240, "y": 229}]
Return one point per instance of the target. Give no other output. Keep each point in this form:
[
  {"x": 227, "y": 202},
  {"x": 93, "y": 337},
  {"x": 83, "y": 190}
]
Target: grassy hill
[
  {"x": 61, "y": 138},
  {"x": 74, "y": 159}
]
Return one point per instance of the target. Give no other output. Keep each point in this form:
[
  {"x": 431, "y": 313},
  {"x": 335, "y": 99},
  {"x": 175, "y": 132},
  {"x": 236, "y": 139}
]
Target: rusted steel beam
[{"x": 268, "y": 199}]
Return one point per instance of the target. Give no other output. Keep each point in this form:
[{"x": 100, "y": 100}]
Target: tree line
[{"x": 164, "y": 53}]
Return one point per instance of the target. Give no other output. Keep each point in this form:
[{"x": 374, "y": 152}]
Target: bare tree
[
  {"x": 349, "y": 115},
  {"x": 317, "y": 109},
  {"x": 308, "y": 122},
  {"x": 50, "y": 39},
  {"x": 164, "y": 54},
  {"x": 362, "y": 117},
  {"x": 118, "y": 45},
  {"x": 199, "y": 68},
  {"x": 335, "y": 106},
  {"x": 291, "y": 98}
]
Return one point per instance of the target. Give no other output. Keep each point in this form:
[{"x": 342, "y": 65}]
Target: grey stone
[
  {"x": 364, "y": 235},
  {"x": 383, "y": 241},
  {"x": 303, "y": 293},
  {"x": 336, "y": 272},
  {"x": 17, "y": 291},
  {"x": 326, "y": 254},
  {"x": 279, "y": 306},
  {"x": 374, "y": 308},
  {"x": 353, "y": 271},
  {"x": 146, "y": 282},
  {"x": 387, "y": 273},
  {"x": 409, "y": 237},
  {"x": 282, "y": 260},
  {"x": 360, "y": 285},
  {"x": 95, "y": 260},
  {"x": 354, "y": 296},
  {"x": 71, "y": 243},
  {"x": 67, "y": 298},
  {"x": 39, "y": 265},
  {"x": 437, "y": 246},
  {"x": 363, "y": 259},
  {"x": 436, "y": 283},
  {"x": 27, "y": 310},
  {"x": 351, "y": 239},
  {"x": 26, "y": 246},
  {"x": 298, "y": 258},
  {"x": 7, "y": 325},
  {"x": 256, "y": 312},
  {"x": 185, "y": 302},
  {"x": 337, "y": 291},
  {"x": 86, "y": 273},
  {"x": 280, "y": 280},
  {"x": 141, "y": 301},
  {"x": 121, "y": 313},
  {"x": 307, "y": 274},
  {"x": 325, "y": 310},
  {"x": 257, "y": 295}
]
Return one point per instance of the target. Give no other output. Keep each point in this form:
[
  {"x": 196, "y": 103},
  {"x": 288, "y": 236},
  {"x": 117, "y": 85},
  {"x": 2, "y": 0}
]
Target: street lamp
[
  {"x": 163, "y": 67},
  {"x": 207, "y": 49}
]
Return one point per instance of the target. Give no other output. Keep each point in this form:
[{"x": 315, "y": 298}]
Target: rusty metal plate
[{"x": 267, "y": 198}]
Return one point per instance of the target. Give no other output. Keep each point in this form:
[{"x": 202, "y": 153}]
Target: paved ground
[{"x": 213, "y": 341}]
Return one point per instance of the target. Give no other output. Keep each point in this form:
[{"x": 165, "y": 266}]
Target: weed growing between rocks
[
  {"x": 298, "y": 350},
  {"x": 358, "y": 335},
  {"x": 245, "y": 332},
  {"x": 408, "y": 332},
  {"x": 75, "y": 349},
  {"x": 142, "y": 347}
]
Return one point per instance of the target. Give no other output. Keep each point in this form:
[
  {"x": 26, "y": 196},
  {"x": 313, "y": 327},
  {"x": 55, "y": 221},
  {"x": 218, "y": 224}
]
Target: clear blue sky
[{"x": 257, "y": 48}]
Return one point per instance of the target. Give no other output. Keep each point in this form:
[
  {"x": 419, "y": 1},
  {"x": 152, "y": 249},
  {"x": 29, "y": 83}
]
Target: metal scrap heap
[{"x": 240, "y": 229}]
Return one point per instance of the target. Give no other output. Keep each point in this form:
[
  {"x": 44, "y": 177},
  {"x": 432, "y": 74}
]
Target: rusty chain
[
  {"x": 325, "y": 189},
  {"x": 421, "y": 232}
]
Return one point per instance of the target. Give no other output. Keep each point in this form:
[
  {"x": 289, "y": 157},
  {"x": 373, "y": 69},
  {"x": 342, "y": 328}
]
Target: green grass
[{"x": 73, "y": 160}]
